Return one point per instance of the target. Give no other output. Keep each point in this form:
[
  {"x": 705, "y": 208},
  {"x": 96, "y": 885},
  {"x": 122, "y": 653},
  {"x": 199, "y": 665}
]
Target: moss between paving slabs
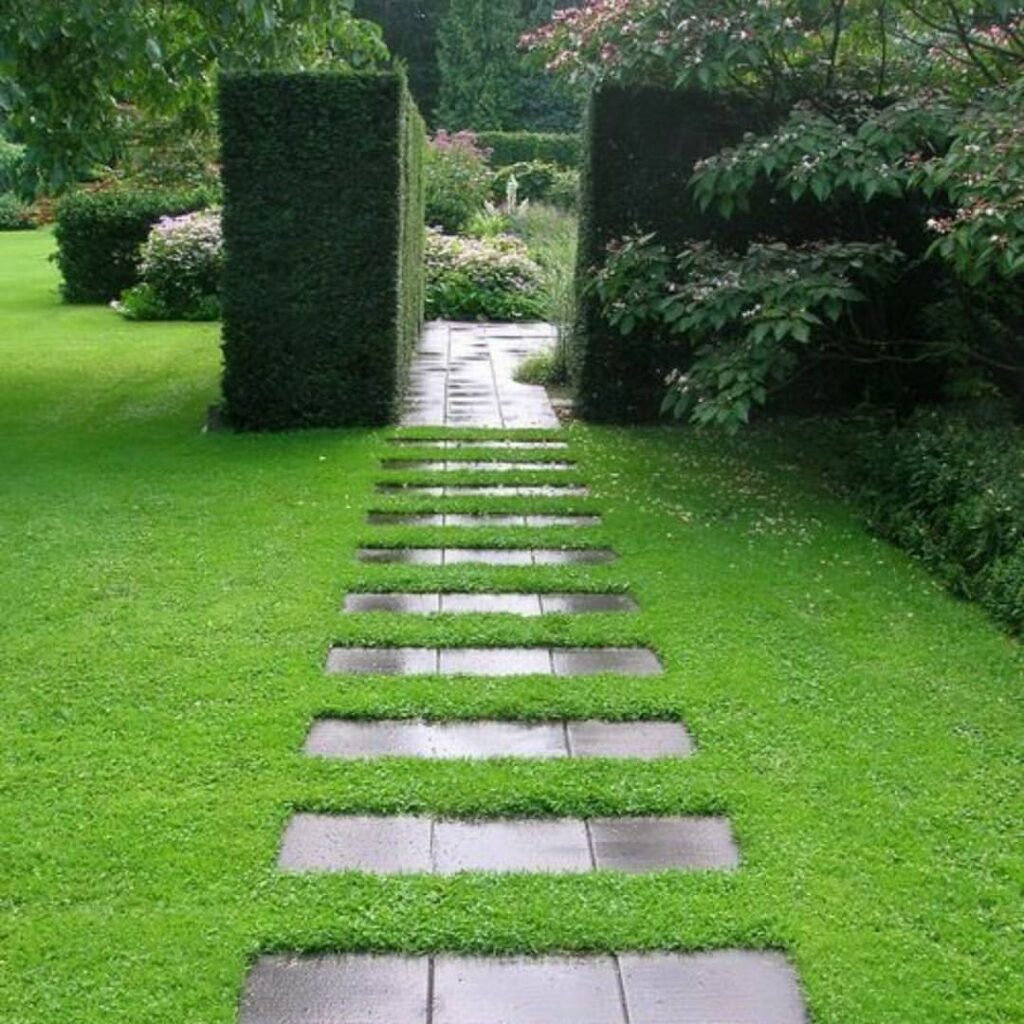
[{"x": 168, "y": 600}]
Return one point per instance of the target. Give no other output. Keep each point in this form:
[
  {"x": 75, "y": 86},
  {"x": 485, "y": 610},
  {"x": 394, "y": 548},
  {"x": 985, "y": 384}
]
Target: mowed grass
[{"x": 167, "y": 601}]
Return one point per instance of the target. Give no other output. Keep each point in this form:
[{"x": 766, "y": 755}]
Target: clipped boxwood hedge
[
  {"x": 522, "y": 147},
  {"x": 323, "y": 233},
  {"x": 99, "y": 235}
]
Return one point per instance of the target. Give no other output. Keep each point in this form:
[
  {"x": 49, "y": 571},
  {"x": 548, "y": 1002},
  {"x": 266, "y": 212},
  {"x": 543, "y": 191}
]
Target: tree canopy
[{"x": 77, "y": 75}]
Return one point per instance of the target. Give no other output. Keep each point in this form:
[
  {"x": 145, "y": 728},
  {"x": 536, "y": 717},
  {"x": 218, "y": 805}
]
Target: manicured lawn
[{"x": 167, "y": 601}]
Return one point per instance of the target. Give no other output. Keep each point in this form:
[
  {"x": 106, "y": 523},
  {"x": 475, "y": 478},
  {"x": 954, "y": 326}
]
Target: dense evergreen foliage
[
  {"x": 561, "y": 148},
  {"x": 323, "y": 230}
]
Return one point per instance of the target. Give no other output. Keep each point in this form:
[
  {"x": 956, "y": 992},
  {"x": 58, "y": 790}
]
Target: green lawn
[{"x": 167, "y": 601}]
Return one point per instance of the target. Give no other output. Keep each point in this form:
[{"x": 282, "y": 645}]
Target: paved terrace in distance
[{"x": 462, "y": 377}]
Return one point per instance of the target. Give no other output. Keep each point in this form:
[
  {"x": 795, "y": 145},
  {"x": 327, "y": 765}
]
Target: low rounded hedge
[
  {"x": 99, "y": 235},
  {"x": 950, "y": 490}
]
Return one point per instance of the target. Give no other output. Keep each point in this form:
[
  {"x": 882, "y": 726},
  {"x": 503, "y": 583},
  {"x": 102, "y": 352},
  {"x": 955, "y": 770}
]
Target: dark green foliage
[
  {"x": 478, "y": 61},
  {"x": 12, "y": 157},
  {"x": 640, "y": 148},
  {"x": 99, "y": 235},
  {"x": 950, "y": 490},
  {"x": 14, "y": 214},
  {"x": 410, "y": 31},
  {"x": 563, "y": 149},
  {"x": 323, "y": 229},
  {"x": 532, "y": 99}
]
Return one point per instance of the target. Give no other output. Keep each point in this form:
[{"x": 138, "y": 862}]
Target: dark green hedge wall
[
  {"x": 640, "y": 146},
  {"x": 99, "y": 234},
  {"x": 522, "y": 147},
  {"x": 323, "y": 229}
]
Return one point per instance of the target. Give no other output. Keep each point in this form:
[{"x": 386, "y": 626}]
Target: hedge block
[
  {"x": 509, "y": 148},
  {"x": 324, "y": 236},
  {"x": 640, "y": 147}
]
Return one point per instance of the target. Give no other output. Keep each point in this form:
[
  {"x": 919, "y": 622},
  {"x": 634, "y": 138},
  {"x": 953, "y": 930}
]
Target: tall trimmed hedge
[
  {"x": 99, "y": 235},
  {"x": 509, "y": 148},
  {"x": 640, "y": 147},
  {"x": 323, "y": 231}
]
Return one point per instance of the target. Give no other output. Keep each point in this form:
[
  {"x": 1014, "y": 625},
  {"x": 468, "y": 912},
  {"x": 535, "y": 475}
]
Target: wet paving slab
[{"x": 344, "y": 739}]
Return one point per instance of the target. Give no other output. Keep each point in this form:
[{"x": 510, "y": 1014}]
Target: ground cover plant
[{"x": 167, "y": 600}]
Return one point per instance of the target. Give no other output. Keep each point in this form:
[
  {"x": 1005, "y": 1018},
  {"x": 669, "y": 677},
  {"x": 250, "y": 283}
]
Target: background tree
[{"x": 477, "y": 58}]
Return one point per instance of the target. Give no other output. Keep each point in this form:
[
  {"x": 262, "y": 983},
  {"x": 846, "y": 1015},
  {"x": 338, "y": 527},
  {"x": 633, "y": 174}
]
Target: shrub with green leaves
[
  {"x": 535, "y": 180},
  {"x": 14, "y": 214},
  {"x": 739, "y": 322},
  {"x": 506, "y": 148},
  {"x": 181, "y": 267},
  {"x": 481, "y": 279},
  {"x": 458, "y": 181},
  {"x": 950, "y": 490},
  {"x": 100, "y": 235}
]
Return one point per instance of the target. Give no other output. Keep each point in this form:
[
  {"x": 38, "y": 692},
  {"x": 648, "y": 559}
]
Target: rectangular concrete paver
[
  {"x": 500, "y": 661},
  {"x": 336, "y": 989},
  {"x": 646, "y": 740},
  {"x": 404, "y": 604},
  {"x": 382, "y": 661},
  {"x": 345, "y": 739},
  {"x": 585, "y": 661},
  {"x": 475, "y": 604},
  {"x": 511, "y": 846},
  {"x": 553, "y": 990},
  {"x": 722, "y": 987},
  {"x": 577, "y": 604},
  {"x": 383, "y": 846},
  {"x": 401, "y": 556},
  {"x": 652, "y": 844}
]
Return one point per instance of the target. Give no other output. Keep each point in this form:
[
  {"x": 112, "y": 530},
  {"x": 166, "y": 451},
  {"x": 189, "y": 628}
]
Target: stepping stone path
[{"x": 462, "y": 377}]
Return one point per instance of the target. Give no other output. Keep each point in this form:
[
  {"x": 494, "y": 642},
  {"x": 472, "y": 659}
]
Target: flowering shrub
[
  {"x": 703, "y": 44},
  {"x": 741, "y": 321},
  {"x": 14, "y": 214},
  {"x": 457, "y": 180},
  {"x": 481, "y": 279},
  {"x": 181, "y": 265}
]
